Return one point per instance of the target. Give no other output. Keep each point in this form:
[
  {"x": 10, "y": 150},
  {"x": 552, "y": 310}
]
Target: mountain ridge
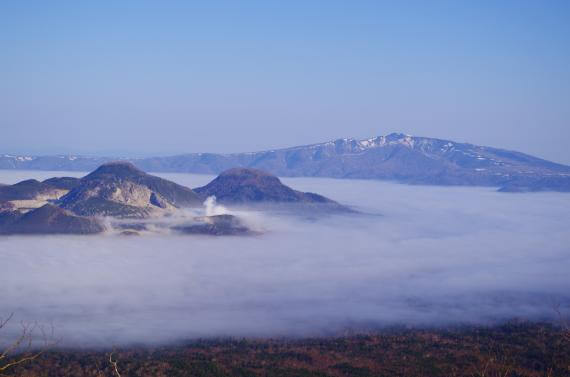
[{"x": 397, "y": 157}]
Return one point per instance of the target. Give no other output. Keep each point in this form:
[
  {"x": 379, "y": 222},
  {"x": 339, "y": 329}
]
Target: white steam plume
[{"x": 212, "y": 208}]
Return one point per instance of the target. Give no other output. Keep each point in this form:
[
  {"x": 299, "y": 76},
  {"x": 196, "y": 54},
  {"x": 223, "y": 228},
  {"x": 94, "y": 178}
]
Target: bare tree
[
  {"x": 33, "y": 341},
  {"x": 114, "y": 364}
]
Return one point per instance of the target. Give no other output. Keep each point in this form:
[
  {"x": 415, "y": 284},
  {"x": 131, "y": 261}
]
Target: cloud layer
[{"x": 421, "y": 256}]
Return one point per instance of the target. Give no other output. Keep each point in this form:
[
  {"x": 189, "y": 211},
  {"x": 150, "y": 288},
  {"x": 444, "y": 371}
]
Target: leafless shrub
[{"x": 33, "y": 341}]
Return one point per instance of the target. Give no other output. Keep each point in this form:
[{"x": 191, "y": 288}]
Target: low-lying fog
[{"x": 434, "y": 255}]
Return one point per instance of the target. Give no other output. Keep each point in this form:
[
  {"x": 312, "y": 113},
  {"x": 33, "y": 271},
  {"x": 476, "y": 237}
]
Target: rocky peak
[
  {"x": 241, "y": 185},
  {"x": 119, "y": 189},
  {"x": 116, "y": 169},
  {"x": 246, "y": 185}
]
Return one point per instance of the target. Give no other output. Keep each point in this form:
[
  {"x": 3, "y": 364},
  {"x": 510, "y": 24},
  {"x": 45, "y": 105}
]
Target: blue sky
[{"x": 158, "y": 78}]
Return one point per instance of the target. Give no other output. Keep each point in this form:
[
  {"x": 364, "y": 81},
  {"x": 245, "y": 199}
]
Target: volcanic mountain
[
  {"x": 72, "y": 206},
  {"x": 119, "y": 189},
  {"x": 251, "y": 186}
]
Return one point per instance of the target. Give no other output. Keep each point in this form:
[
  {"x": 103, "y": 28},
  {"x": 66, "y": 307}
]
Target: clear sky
[{"x": 168, "y": 77}]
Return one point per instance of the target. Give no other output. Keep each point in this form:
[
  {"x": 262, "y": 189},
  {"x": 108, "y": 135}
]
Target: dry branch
[{"x": 24, "y": 348}]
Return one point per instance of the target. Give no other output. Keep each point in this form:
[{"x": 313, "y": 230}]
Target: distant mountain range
[{"x": 397, "y": 157}]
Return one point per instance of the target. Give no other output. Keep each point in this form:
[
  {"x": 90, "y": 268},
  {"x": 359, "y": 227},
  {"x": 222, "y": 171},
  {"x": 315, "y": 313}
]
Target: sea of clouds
[{"x": 419, "y": 256}]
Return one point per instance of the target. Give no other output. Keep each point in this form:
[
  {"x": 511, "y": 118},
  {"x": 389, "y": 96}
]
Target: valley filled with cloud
[{"x": 414, "y": 256}]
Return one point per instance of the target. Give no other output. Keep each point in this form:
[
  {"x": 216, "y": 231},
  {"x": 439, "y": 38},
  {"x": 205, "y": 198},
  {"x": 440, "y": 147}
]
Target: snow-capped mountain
[{"x": 398, "y": 157}]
